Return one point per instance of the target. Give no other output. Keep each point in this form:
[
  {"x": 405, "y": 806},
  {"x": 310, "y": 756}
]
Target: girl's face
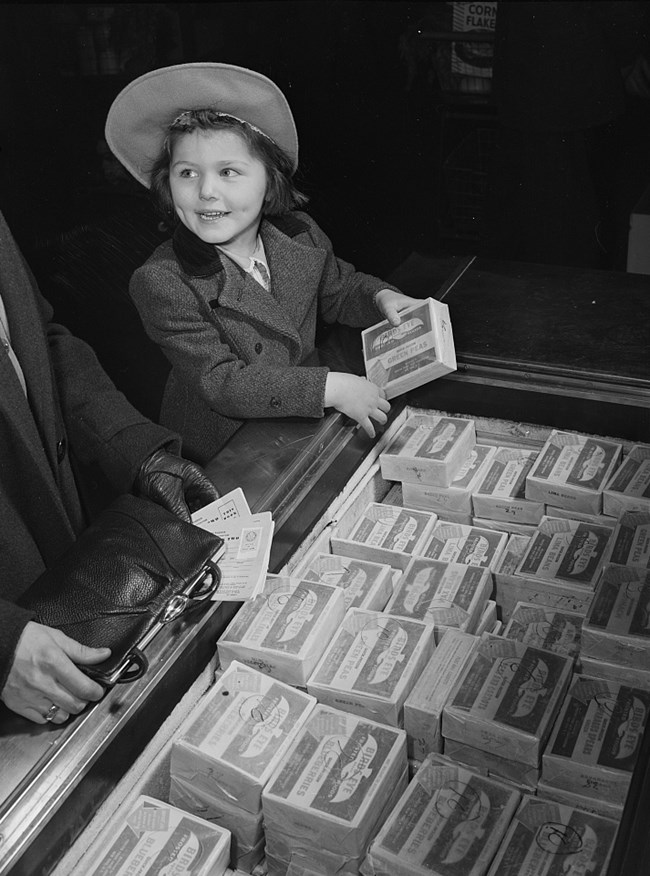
[{"x": 218, "y": 188}]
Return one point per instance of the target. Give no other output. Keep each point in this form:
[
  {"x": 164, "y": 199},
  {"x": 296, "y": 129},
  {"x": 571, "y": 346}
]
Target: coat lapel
[{"x": 35, "y": 421}]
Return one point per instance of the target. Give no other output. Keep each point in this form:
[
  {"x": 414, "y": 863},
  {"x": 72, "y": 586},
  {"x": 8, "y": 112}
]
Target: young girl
[{"x": 234, "y": 297}]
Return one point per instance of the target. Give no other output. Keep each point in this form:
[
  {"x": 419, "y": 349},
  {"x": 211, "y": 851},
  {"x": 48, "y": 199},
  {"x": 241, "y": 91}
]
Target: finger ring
[{"x": 51, "y": 712}]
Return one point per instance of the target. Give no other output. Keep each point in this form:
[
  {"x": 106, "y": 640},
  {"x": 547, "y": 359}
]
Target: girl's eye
[
  {"x": 229, "y": 171},
  {"x": 186, "y": 173}
]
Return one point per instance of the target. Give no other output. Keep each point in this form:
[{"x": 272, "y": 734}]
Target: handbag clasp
[{"x": 174, "y": 608}]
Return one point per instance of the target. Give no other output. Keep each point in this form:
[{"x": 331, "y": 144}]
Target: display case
[{"x": 538, "y": 348}]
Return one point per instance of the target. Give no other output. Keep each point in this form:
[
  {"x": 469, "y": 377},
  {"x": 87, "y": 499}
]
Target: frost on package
[
  {"x": 507, "y": 699},
  {"x": 419, "y": 349},
  {"x": 334, "y": 781},
  {"x": 566, "y": 550},
  {"x": 444, "y": 594},
  {"x": 547, "y": 838},
  {"x": 450, "y": 821},
  {"x": 595, "y": 743},
  {"x": 237, "y": 733},
  {"x": 284, "y": 631},
  {"x": 372, "y": 663}
]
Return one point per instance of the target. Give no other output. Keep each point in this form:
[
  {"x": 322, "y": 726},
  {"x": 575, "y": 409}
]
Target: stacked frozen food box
[
  {"x": 338, "y": 781},
  {"x": 572, "y": 470},
  {"x": 394, "y": 635},
  {"x": 425, "y": 703},
  {"x": 629, "y": 487},
  {"x": 153, "y": 837},
  {"x": 505, "y": 702},
  {"x": 595, "y": 743},
  {"x": 449, "y": 820},
  {"x": 285, "y": 629},
  {"x": 454, "y": 502},
  {"x": 616, "y": 632},
  {"x": 551, "y": 629},
  {"x": 372, "y": 663},
  {"x": 384, "y": 534},
  {"x": 227, "y": 749},
  {"x": 366, "y": 584},
  {"x": 443, "y": 594},
  {"x": 500, "y": 494},
  {"x": 548, "y": 837}
]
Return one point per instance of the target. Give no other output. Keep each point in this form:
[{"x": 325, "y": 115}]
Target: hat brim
[{"x": 139, "y": 117}]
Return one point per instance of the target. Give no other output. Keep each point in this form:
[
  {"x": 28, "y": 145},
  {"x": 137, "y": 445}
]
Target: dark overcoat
[
  {"x": 74, "y": 411},
  {"x": 232, "y": 346}
]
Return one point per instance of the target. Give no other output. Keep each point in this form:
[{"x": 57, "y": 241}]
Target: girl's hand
[
  {"x": 357, "y": 398},
  {"x": 391, "y": 303}
]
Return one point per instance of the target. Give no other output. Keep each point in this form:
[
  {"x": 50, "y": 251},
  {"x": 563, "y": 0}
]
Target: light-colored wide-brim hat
[{"x": 139, "y": 118}]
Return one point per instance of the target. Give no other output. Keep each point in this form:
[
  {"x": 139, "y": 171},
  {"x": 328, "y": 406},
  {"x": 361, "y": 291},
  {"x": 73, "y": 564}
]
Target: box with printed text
[
  {"x": 366, "y": 584},
  {"x": 507, "y": 699},
  {"x": 428, "y": 449},
  {"x": 571, "y": 471},
  {"x": 284, "y": 631},
  {"x": 418, "y": 350},
  {"x": 442, "y": 594},
  {"x": 371, "y": 664},
  {"x": 456, "y": 498},
  {"x": 466, "y": 816},
  {"x": 629, "y": 487},
  {"x": 595, "y": 743}
]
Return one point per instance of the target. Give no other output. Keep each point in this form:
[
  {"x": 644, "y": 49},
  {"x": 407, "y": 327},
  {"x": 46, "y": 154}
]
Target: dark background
[
  {"x": 395, "y": 153},
  {"x": 367, "y": 149}
]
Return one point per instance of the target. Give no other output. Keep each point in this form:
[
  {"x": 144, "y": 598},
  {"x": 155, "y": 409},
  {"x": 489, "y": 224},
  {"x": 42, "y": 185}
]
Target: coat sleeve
[
  {"x": 210, "y": 363},
  {"x": 345, "y": 294}
]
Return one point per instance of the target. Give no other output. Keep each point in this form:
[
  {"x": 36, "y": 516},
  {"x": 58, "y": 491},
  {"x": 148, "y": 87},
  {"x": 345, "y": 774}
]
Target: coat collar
[{"x": 200, "y": 259}]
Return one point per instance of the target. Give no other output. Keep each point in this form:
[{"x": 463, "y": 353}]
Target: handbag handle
[{"x": 136, "y": 667}]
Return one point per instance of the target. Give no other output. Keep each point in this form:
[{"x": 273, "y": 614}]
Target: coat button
[
  {"x": 258, "y": 348},
  {"x": 61, "y": 447},
  {"x": 275, "y": 402}
]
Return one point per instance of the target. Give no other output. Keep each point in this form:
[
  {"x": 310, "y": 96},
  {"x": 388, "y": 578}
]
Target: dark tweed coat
[
  {"x": 73, "y": 410},
  {"x": 234, "y": 347}
]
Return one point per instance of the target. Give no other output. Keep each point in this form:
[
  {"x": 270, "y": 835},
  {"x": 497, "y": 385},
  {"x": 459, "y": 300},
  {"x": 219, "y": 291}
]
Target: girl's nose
[{"x": 208, "y": 189}]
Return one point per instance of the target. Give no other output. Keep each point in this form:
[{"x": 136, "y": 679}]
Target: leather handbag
[{"x": 134, "y": 569}]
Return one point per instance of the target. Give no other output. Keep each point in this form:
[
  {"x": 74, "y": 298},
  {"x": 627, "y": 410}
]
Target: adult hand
[
  {"x": 357, "y": 398},
  {"x": 176, "y": 484},
  {"x": 391, "y": 303},
  {"x": 45, "y": 673}
]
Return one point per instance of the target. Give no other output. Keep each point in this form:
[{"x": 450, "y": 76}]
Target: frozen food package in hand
[{"x": 418, "y": 350}]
